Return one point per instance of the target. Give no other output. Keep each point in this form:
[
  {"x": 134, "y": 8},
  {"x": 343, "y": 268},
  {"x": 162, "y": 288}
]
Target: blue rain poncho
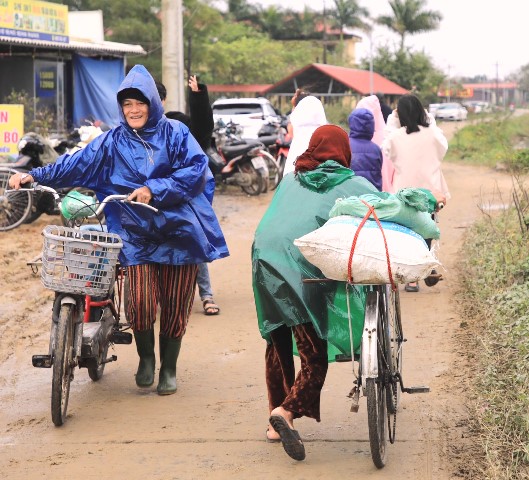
[{"x": 163, "y": 156}]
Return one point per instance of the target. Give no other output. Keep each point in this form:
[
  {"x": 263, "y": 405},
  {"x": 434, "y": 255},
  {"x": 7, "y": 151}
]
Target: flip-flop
[
  {"x": 210, "y": 307},
  {"x": 289, "y": 438},
  {"x": 271, "y": 440},
  {"x": 433, "y": 278},
  {"x": 411, "y": 288}
]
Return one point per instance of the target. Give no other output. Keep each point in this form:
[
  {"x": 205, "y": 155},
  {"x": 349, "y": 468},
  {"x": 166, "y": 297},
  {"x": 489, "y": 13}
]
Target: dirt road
[{"x": 214, "y": 427}]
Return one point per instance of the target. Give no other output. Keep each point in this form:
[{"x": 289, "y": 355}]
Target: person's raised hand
[
  {"x": 142, "y": 195},
  {"x": 193, "y": 83}
]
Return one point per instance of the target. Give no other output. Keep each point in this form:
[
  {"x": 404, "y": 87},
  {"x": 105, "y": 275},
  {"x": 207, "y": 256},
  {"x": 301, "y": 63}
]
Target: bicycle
[
  {"x": 15, "y": 208},
  {"x": 379, "y": 376},
  {"x": 81, "y": 266}
]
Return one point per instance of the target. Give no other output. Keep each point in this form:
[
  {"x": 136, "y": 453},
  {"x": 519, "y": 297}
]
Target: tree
[
  {"x": 408, "y": 70},
  {"x": 409, "y": 17},
  {"x": 349, "y": 14}
]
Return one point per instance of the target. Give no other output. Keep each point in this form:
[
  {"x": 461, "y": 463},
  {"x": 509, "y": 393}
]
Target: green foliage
[
  {"x": 349, "y": 13},
  {"x": 492, "y": 141},
  {"x": 40, "y": 120},
  {"x": 409, "y": 17},
  {"x": 408, "y": 69},
  {"x": 247, "y": 44},
  {"x": 495, "y": 273}
]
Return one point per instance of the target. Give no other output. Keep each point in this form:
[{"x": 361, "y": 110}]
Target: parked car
[
  {"x": 433, "y": 107},
  {"x": 249, "y": 113},
  {"x": 451, "y": 111}
]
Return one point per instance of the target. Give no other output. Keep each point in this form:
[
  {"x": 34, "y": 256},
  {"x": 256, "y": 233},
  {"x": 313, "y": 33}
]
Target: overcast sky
[{"x": 476, "y": 36}]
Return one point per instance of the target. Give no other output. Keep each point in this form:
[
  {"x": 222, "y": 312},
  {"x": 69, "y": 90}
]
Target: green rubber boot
[
  {"x": 169, "y": 350},
  {"x": 145, "y": 347}
]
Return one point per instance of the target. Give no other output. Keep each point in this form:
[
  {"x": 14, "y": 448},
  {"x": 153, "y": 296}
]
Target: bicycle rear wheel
[
  {"x": 377, "y": 412},
  {"x": 15, "y": 207},
  {"x": 62, "y": 364},
  {"x": 396, "y": 340},
  {"x": 377, "y": 420}
]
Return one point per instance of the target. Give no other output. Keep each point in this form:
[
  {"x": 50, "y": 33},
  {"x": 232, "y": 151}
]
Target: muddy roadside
[{"x": 214, "y": 426}]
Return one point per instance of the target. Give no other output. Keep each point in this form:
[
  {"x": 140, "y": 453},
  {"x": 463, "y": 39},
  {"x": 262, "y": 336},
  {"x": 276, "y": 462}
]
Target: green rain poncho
[{"x": 300, "y": 205}]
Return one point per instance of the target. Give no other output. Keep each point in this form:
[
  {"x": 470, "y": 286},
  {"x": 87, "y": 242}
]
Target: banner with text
[
  {"x": 34, "y": 20},
  {"x": 11, "y": 128}
]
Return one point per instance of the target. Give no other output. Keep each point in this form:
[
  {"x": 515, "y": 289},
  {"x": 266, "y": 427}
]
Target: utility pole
[
  {"x": 173, "y": 75},
  {"x": 324, "y": 34},
  {"x": 497, "y": 86}
]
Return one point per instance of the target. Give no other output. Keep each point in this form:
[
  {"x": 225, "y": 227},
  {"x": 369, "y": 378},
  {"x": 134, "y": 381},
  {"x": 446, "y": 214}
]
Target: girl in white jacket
[{"x": 306, "y": 117}]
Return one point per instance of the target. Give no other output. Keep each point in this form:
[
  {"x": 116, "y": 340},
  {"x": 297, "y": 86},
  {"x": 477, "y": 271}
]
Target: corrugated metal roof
[
  {"x": 90, "y": 47},
  {"x": 490, "y": 85},
  {"x": 238, "y": 88},
  {"x": 357, "y": 80}
]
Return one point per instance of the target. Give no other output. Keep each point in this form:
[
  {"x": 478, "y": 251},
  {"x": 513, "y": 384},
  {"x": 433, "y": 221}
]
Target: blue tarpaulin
[{"x": 96, "y": 83}]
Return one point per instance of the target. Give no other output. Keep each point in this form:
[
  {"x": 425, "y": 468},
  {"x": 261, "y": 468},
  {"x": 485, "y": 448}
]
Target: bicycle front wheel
[
  {"x": 15, "y": 207},
  {"x": 62, "y": 364}
]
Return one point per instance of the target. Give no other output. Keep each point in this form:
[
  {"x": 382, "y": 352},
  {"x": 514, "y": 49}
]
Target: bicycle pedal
[
  {"x": 41, "y": 361},
  {"x": 112, "y": 358},
  {"x": 121, "y": 338},
  {"x": 355, "y": 395},
  {"x": 423, "y": 389}
]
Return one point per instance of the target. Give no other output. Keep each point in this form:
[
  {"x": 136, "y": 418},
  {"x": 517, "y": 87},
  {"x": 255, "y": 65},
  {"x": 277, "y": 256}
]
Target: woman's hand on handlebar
[
  {"x": 19, "y": 179},
  {"x": 441, "y": 199},
  {"x": 141, "y": 195}
]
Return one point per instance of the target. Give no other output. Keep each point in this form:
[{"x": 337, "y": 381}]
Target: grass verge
[{"x": 494, "y": 297}]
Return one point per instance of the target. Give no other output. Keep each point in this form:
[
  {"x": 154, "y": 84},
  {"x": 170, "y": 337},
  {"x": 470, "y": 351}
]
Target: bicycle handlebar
[{"x": 100, "y": 208}]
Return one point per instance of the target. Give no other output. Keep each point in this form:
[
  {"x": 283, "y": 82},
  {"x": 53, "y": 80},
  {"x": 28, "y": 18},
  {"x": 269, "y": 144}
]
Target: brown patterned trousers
[
  {"x": 298, "y": 394},
  {"x": 170, "y": 286}
]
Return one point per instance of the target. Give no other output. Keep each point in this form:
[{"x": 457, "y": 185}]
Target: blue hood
[
  {"x": 361, "y": 124},
  {"x": 141, "y": 79}
]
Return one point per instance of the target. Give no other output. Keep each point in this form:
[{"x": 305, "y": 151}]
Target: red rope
[{"x": 370, "y": 211}]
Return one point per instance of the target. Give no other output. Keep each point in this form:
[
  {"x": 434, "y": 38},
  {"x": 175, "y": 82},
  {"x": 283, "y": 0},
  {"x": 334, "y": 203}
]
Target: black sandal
[
  {"x": 210, "y": 307},
  {"x": 433, "y": 278},
  {"x": 289, "y": 438}
]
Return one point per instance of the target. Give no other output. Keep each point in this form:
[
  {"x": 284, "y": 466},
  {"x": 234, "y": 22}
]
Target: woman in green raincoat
[{"x": 285, "y": 305}]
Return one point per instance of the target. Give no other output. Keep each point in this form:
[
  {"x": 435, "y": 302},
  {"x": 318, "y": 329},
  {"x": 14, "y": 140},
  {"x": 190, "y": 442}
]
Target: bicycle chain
[{"x": 392, "y": 433}]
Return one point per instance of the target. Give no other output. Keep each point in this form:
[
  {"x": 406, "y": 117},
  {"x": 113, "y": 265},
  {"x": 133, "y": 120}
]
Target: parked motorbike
[
  {"x": 33, "y": 152},
  {"x": 25, "y": 207},
  {"x": 275, "y": 136},
  {"x": 237, "y": 161}
]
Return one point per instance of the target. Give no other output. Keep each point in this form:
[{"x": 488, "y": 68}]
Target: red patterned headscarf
[{"x": 328, "y": 142}]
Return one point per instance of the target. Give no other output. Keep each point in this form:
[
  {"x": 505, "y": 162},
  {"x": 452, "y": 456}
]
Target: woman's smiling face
[{"x": 136, "y": 113}]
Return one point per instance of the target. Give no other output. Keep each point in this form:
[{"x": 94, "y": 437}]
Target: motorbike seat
[
  {"x": 268, "y": 140},
  {"x": 231, "y": 151}
]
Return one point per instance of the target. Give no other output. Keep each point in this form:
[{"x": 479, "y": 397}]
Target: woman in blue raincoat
[{"x": 152, "y": 160}]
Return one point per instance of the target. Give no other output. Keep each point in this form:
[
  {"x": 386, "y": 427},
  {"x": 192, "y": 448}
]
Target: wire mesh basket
[{"x": 79, "y": 261}]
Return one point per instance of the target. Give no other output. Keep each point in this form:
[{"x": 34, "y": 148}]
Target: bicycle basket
[{"x": 79, "y": 261}]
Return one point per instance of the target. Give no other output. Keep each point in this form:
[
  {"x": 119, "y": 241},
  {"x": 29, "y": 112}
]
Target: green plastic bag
[
  {"x": 410, "y": 207},
  {"x": 76, "y": 205},
  {"x": 338, "y": 338}
]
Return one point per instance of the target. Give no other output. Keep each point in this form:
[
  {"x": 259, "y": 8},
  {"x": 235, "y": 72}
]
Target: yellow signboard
[
  {"x": 11, "y": 128},
  {"x": 34, "y": 20}
]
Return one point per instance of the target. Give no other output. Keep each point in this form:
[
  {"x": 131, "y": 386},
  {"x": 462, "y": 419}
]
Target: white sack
[{"x": 329, "y": 247}]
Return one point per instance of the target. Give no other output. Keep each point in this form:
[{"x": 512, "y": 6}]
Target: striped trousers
[{"x": 172, "y": 287}]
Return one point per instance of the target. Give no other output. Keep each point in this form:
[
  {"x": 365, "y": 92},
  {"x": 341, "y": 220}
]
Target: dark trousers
[{"x": 298, "y": 394}]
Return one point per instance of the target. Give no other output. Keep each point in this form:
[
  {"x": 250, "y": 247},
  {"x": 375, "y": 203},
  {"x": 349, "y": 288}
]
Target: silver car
[
  {"x": 451, "y": 111},
  {"x": 249, "y": 113}
]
